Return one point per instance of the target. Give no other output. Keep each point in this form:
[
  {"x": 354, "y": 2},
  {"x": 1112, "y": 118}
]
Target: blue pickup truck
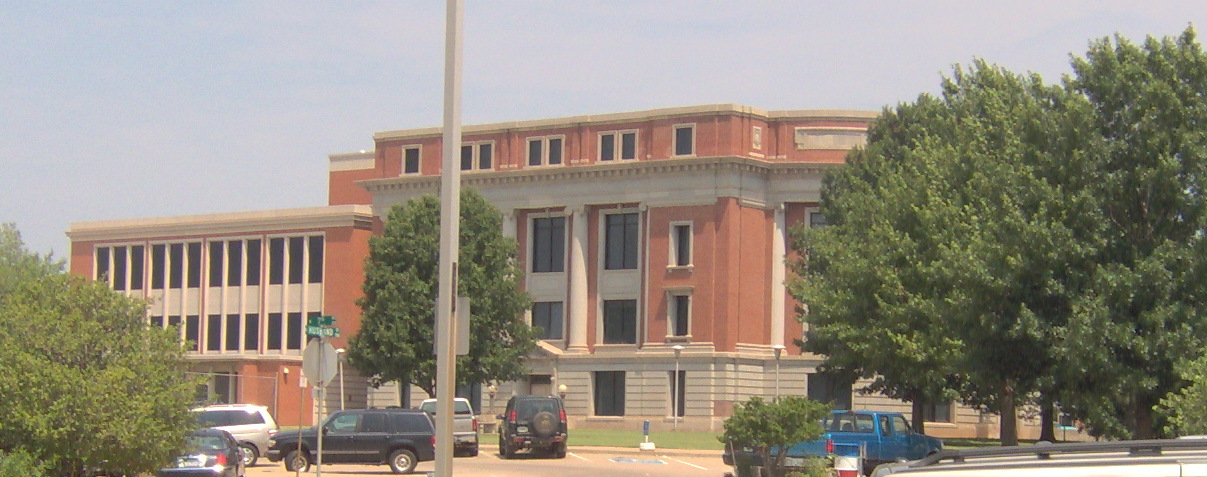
[{"x": 883, "y": 436}]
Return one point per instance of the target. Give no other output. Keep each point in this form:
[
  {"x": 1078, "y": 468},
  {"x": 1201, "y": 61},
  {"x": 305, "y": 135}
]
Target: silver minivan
[{"x": 251, "y": 425}]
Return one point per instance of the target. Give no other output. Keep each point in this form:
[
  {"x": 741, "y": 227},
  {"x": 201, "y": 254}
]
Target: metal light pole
[
  {"x": 339, "y": 353},
  {"x": 675, "y": 390},
  {"x": 779, "y": 349}
]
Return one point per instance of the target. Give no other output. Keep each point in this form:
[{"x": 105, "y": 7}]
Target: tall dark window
[
  {"x": 194, "y": 264},
  {"x": 175, "y": 265},
  {"x": 830, "y": 390},
  {"x": 192, "y": 331},
  {"x": 621, "y": 242},
  {"x": 681, "y": 241},
  {"x": 684, "y": 140},
  {"x": 251, "y": 332},
  {"x": 609, "y": 393},
  {"x": 410, "y": 160},
  {"x": 232, "y": 332},
  {"x": 213, "y": 333},
  {"x": 607, "y": 147},
  {"x": 678, "y": 392},
  {"x": 102, "y": 264},
  {"x": 297, "y": 257},
  {"x": 620, "y": 322},
  {"x": 234, "y": 266},
  {"x": 119, "y": 268},
  {"x": 315, "y": 269},
  {"x": 294, "y": 332},
  {"x": 157, "y": 322},
  {"x": 158, "y": 262},
  {"x": 136, "y": 267},
  {"x": 549, "y": 244},
  {"x": 547, "y": 315},
  {"x": 535, "y": 155},
  {"x": 274, "y": 331},
  {"x": 216, "y": 254},
  {"x": 628, "y": 145},
  {"x": 276, "y": 261},
  {"x": 467, "y": 157},
  {"x": 555, "y": 151},
  {"x": 680, "y": 312},
  {"x": 253, "y": 262}
]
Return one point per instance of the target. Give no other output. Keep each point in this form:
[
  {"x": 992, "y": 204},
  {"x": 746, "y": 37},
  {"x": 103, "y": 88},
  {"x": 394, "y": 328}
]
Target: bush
[{"x": 23, "y": 464}]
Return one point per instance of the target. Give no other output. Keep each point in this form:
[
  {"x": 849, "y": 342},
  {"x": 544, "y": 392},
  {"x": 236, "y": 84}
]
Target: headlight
[{"x": 272, "y": 443}]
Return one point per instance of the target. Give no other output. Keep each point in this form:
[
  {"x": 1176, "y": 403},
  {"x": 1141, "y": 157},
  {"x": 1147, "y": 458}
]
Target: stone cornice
[
  {"x": 357, "y": 216},
  {"x": 635, "y": 116}
]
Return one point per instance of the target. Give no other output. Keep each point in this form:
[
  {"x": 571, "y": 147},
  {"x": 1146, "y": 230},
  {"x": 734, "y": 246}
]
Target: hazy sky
[{"x": 116, "y": 109}]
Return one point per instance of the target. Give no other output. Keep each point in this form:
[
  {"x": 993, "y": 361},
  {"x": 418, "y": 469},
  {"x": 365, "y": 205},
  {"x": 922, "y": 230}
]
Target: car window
[
  {"x": 205, "y": 443},
  {"x": 229, "y": 417},
  {"x": 410, "y": 422},
  {"x": 428, "y": 406},
  {"x": 373, "y": 422},
  {"x": 530, "y": 407},
  {"x": 900, "y": 425},
  {"x": 460, "y": 408},
  {"x": 343, "y": 423}
]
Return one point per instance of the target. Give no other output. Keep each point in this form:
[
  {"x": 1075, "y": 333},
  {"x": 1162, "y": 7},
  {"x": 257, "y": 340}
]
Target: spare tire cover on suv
[{"x": 544, "y": 424}]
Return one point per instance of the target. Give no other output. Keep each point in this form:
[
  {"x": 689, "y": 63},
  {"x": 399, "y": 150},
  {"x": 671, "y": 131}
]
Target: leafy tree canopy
[
  {"x": 85, "y": 383},
  {"x": 401, "y": 279},
  {"x": 772, "y": 427}
]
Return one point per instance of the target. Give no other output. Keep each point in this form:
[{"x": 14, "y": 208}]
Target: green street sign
[
  {"x": 322, "y": 331},
  {"x": 325, "y": 320}
]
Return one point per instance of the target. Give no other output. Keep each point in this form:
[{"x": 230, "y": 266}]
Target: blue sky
[{"x": 119, "y": 109}]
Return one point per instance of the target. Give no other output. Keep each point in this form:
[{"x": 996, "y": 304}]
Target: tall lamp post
[
  {"x": 675, "y": 390},
  {"x": 779, "y": 350},
  {"x": 340, "y": 356}
]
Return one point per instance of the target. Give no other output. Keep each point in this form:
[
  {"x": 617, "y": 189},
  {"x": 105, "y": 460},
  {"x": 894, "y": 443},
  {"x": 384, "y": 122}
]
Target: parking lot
[{"x": 583, "y": 462}]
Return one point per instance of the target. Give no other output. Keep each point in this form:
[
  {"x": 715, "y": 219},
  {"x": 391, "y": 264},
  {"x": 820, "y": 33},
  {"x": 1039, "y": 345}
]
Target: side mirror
[
  {"x": 325, "y": 429},
  {"x": 499, "y": 417}
]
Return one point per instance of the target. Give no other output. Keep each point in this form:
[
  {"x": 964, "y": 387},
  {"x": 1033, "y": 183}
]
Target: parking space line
[
  {"x": 578, "y": 456},
  {"x": 684, "y": 463}
]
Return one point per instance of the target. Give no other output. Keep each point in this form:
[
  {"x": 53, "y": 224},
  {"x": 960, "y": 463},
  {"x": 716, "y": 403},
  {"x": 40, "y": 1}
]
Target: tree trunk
[
  {"x": 1144, "y": 420},
  {"x": 1009, "y": 416},
  {"x": 1047, "y": 419},
  {"x": 919, "y": 420}
]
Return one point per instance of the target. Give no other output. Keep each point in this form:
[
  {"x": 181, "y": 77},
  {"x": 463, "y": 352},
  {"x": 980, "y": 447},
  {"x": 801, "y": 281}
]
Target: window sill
[
  {"x": 605, "y": 418},
  {"x": 679, "y": 338},
  {"x": 672, "y": 268}
]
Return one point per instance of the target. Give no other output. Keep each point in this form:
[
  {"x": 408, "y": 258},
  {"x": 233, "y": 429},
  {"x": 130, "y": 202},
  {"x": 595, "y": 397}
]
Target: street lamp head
[
  {"x": 678, "y": 349},
  {"x": 561, "y": 390},
  {"x": 779, "y": 349},
  {"x": 492, "y": 389}
]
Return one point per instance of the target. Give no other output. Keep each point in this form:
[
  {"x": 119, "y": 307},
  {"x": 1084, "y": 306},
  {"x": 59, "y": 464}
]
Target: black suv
[
  {"x": 401, "y": 438},
  {"x": 533, "y": 422}
]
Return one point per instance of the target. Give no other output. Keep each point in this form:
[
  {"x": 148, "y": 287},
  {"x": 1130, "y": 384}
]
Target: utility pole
[{"x": 450, "y": 243}]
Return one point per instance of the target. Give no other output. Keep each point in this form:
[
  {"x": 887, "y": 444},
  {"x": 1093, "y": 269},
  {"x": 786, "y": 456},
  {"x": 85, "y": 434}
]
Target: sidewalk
[{"x": 634, "y": 451}]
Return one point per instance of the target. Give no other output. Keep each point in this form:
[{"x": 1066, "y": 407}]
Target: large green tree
[
  {"x": 1031, "y": 242},
  {"x": 1145, "y": 310},
  {"x": 395, "y": 340},
  {"x": 84, "y": 383}
]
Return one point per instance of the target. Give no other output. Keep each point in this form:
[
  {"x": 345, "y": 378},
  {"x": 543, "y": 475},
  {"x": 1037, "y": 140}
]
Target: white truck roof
[{"x": 1143, "y": 458}]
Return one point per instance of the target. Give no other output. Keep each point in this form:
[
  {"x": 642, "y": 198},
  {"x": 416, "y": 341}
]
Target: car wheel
[
  {"x": 295, "y": 461},
  {"x": 250, "y": 455},
  {"x": 505, "y": 449},
  {"x": 559, "y": 450},
  {"x": 402, "y": 461}
]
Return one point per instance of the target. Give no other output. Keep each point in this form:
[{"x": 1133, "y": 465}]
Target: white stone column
[
  {"x": 778, "y": 288},
  {"x": 578, "y": 279},
  {"x": 509, "y": 224}
]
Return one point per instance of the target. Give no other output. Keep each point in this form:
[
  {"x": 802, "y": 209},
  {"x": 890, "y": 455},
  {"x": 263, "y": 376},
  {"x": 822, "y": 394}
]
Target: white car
[
  {"x": 1145, "y": 458},
  {"x": 251, "y": 425},
  {"x": 465, "y": 424}
]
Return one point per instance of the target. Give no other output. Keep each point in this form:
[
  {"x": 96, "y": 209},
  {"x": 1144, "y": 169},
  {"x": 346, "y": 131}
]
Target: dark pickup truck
[{"x": 877, "y": 437}]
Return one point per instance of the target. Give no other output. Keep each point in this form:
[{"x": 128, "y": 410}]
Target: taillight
[
  {"x": 562, "y": 415},
  {"x": 433, "y": 440},
  {"x": 511, "y": 416},
  {"x": 829, "y": 446},
  {"x": 221, "y": 459},
  {"x": 475, "y": 424}
]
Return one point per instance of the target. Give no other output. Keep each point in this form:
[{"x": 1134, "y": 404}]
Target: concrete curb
[{"x": 633, "y": 451}]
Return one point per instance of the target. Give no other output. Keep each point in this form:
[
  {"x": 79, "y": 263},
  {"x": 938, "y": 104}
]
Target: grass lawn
[{"x": 613, "y": 438}]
